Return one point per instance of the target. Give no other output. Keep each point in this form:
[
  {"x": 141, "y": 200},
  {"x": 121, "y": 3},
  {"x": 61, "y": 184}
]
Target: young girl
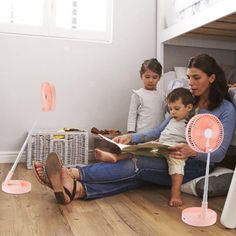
[{"x": 147, "y": 106}]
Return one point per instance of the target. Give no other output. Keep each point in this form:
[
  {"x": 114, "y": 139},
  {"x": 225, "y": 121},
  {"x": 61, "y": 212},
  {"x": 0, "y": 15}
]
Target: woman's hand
[
  {"x": 124, "y": 139},
  {"x": 181, "y": 151}
]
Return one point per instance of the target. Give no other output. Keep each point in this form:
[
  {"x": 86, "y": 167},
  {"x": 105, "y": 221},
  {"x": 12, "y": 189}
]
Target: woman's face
[{"x": 199, "y": 81}]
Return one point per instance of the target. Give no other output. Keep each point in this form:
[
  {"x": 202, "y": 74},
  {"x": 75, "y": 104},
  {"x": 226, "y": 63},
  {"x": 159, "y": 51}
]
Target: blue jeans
[{"x": 104, "y": 179}]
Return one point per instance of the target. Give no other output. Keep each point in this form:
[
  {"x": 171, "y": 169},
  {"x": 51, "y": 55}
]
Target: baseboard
[{"x": 10, "y": 156}]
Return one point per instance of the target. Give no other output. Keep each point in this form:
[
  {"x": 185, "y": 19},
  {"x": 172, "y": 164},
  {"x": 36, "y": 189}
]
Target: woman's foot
[
  {"x": 41, "y": 175},
  {"x": 73, "y": 189},
  {"x": 175, "y": 199},
  {"x": 105, "y": 156},
  {"x": 65, "y": 188},
  {"x": 74, "y": 173}
]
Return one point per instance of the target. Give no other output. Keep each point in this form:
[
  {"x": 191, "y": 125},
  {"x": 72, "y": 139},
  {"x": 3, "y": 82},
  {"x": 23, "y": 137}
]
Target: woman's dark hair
[
  {"x": 218, "y": 89},
  {"x": 151, "y": 64},
  {"x": 180, "y": 93}
]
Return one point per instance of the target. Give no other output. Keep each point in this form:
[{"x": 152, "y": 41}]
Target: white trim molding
[{"x": 10, "y": 156}]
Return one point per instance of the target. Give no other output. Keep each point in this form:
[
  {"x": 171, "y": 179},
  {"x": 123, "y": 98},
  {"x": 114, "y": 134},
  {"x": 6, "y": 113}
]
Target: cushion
[
  {"x": 219, "y": 182},
  {"x": 218, "y": 185}
]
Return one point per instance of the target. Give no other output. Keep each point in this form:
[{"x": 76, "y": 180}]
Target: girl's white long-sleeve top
[{"x": 147, "y": 110}]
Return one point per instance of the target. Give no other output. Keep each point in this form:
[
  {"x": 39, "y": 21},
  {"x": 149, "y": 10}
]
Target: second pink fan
[{"x": 48, "y": 95}]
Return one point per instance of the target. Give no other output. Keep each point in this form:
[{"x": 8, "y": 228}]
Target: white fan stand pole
[{"x": 17, "y": 186}]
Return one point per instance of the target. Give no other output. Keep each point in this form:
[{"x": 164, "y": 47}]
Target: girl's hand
[
  {"x": 181, "y": 151},
  {"x": 124, "y": 139}
]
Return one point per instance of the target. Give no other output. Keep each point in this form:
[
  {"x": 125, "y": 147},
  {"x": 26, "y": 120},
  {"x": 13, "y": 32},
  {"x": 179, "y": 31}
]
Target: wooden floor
[{"x": 138, "y": 212}]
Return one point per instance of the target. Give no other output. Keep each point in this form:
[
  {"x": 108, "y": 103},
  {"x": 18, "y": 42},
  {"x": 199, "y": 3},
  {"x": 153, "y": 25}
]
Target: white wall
[{"x": 93, "y": 81}]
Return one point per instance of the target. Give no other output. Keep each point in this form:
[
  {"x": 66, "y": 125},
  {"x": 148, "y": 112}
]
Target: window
[{"x": 82, "y": 19}]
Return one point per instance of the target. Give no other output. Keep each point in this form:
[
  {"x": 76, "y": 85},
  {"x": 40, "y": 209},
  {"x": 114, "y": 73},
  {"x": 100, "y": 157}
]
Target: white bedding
[{"x": 180, "y": 10}]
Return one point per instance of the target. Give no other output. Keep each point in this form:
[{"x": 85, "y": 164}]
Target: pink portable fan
[
  {"x": 22, "y": 186},
  {"x": 204, "y": 133}
]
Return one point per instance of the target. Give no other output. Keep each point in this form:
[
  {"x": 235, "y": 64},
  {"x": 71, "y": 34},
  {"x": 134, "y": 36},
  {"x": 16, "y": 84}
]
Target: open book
[{"x": 151, "y": 148}]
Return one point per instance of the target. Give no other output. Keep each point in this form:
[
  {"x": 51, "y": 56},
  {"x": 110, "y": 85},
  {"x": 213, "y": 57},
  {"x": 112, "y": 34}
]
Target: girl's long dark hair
[{"x": 218, "y": 89}]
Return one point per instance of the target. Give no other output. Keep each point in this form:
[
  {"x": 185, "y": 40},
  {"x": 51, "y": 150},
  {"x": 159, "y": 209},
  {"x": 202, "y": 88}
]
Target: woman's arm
[
  {"x": 182, "y": 151},
  {"x": 142, "y": 137},
  {"x": 150, "y": 134}
]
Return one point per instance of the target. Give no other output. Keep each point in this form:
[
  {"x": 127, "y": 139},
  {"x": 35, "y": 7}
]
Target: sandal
[
  {"x": 42, "y": 179},
  {"x": 53, "y": 169}
]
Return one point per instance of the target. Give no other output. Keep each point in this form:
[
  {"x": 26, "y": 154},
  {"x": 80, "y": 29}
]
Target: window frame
[{"x": 49, "y": 29}]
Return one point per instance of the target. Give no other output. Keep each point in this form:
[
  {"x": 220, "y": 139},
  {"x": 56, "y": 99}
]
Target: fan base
[
  {"x": 195, "y": 216},
  {"x": 16, "y": 187}
]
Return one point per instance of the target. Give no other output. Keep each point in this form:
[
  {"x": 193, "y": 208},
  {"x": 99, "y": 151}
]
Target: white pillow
[
  {"x": 181, "y": 80},
  {"x": 178, "y": 83},
  {"x": 181, "y": 72},
  {"x": 190, "y": 187},
  {"x": 165, "y": 80}
]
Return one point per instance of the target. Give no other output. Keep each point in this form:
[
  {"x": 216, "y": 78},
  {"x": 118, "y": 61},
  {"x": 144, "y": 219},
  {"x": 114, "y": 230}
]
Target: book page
[
  {"x": 151, "y": 145},
  {"x": 120, "y": 145}
]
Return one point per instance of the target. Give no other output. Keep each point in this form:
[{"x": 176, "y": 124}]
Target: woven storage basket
[{"x": 72, "y": 147}]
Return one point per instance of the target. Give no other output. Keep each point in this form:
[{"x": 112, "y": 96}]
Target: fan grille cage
[{"x": 195, "y": 132}]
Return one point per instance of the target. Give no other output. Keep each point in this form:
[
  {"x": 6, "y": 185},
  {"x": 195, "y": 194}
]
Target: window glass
[{"x": 82, "y": 15}]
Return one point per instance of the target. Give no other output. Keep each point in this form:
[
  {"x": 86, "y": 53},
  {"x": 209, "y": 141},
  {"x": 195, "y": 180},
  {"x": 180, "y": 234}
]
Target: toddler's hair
[
  {"x": 180, "y": 93},
  {"x": 151, "y": 64}
]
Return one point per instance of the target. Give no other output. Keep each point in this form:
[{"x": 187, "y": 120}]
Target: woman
[{"x": 208, "y": 85}]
